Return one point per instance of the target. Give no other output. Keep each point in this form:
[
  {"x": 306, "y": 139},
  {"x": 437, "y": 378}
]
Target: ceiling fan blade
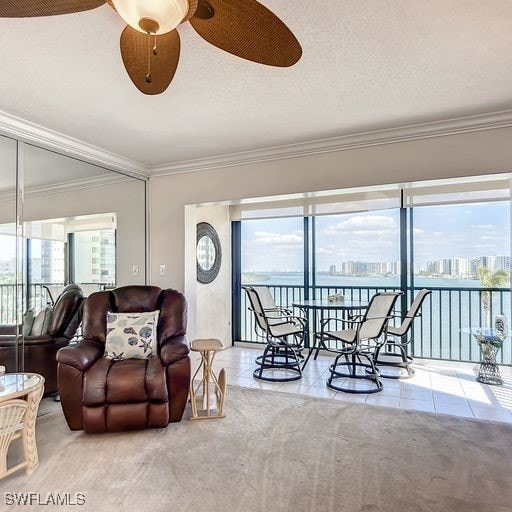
[
  {"x": 138, "y": 48},
  {"x": 248, "y": 30},
  {"x": 31, "y": 8}
]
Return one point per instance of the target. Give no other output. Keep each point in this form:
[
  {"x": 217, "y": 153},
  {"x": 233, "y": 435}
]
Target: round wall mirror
[{"x": 208, "y": 253}]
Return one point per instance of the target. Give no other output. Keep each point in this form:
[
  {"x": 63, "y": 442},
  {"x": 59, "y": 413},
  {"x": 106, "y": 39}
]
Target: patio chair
[
  {"x": 393, "y": 352},
  {"x": 270, "y": 308},
  {"x": 360, "y": 342},
  {"x": 284, "y": 336}
]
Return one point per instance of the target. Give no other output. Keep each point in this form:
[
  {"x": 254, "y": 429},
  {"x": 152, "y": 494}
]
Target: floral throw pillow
[{"x": 131, "y": 335}]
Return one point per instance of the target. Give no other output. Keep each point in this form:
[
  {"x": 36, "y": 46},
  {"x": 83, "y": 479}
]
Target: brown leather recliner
[
  {"x": 39, "y": 352},
  {"x": 105, "y": 395}
]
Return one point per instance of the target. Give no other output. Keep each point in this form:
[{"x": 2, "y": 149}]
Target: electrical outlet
[
  {"x": 163, "y": 270},
  {"x": 135, "y": 270}
]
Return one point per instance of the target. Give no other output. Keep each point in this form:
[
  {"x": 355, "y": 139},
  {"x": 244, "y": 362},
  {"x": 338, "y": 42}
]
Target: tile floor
[{"x": 437, "y": 386}]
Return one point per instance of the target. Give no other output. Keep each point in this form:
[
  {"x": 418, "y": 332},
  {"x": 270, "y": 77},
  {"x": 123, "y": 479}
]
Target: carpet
[{"x": 280, "y": 452}]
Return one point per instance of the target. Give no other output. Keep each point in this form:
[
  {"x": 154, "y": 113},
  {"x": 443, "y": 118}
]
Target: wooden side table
[
  {"x": 19, "y": 401},
  {"x": 208, "y": 349}
]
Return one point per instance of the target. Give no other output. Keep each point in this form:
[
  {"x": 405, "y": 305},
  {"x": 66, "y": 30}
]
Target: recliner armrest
[
  {"x": 174, "y": 349},
  {"x": 80, "y": 356}
]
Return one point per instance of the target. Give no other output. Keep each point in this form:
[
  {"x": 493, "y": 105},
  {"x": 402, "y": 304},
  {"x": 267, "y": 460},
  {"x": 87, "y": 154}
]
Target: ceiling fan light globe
[{"x": 167, "y": 14}]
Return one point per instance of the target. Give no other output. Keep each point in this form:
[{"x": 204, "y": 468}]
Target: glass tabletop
[
  {"x": 484, "y": 331},
  {"x": 325, "y": 304},
  {"x": 18, "y": 384}
]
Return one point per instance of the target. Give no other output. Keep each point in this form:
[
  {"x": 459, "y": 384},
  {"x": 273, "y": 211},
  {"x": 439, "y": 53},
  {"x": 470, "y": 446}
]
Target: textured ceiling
[{"x": 367, "y": 64}]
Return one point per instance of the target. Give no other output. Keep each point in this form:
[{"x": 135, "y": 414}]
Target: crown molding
[
  {"x": 26, "y": 131},
  {"x": 453, "y": 126},
  {"x": 69, "y": 186},
  {"x": 15, "y": 127}
]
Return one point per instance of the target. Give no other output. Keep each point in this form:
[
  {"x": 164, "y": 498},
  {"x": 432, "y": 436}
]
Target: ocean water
[{"x": 325, "y": 279}]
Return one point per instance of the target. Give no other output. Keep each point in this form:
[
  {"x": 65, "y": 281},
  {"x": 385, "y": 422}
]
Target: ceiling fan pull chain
[
  {"x": 155, "y": 49},
  {"x": 148, "y": 76}
]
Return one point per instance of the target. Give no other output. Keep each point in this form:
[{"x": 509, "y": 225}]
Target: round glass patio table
[
  {"x": 321, "y": 306},
  {"x": 490, "y": 341}
]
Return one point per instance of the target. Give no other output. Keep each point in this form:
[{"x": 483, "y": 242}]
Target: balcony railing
[
  {"x": 12, "y": 303},
  {"x": 437, "y": 334}
]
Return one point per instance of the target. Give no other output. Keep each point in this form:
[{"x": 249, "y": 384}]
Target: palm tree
[{"x": 488, "y": 279}]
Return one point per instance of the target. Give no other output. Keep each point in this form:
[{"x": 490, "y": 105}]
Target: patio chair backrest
[
  {"x": 266, "y": 299},
  {"x": 412, "y": 313},
  {"x": 377, "y": 315},
  {"x": 273, "y": 313},
  {"x": 256, "y": 307}
]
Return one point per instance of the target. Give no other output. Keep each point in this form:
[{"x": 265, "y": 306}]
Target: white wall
[
  {"x": 469, "y": 154},
  {"x": 213, "y": 300}
]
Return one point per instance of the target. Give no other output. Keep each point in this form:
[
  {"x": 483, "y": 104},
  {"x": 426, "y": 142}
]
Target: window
[
  {"x": 450, "y": 236},
  {"x": 272, "y": 254},
  {"x": 451, "y": 241},
  {"x": 7, "y": 259},
  {"x": 458, "y": 250},
  {"x": 273, "y": 251},
  {"x": 47, "y": 262},
  {"x": 94, "y": 257},
  {"x": 361, "y": 249}
]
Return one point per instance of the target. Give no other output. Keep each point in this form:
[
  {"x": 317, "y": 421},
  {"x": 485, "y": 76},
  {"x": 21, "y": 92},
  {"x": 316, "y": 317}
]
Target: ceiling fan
[{"x": 150, "y": 44}]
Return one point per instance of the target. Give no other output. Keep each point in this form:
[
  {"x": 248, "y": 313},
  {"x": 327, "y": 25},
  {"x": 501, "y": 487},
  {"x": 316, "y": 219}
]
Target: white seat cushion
[
  {"x": 287, "y": 329},
  {"x": 347, "y": 335}
]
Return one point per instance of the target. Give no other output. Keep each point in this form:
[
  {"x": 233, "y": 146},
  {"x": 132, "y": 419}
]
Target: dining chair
[
  {"x": 393, "y": 352},
  {"x": 359, "y": 342},
  {"x": 284, "y": 336}
]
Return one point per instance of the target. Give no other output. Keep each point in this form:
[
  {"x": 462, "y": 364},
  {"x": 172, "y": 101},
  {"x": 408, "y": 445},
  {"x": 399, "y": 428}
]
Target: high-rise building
[
  {"x": 52, "y": 262},
  {"x": 95, "y": 257}
]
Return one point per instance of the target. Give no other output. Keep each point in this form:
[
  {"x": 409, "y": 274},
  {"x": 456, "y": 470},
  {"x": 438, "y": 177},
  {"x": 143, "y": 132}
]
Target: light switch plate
[
  {"x": 135, "y": 270},
  {"x": 163, "y": 270}
]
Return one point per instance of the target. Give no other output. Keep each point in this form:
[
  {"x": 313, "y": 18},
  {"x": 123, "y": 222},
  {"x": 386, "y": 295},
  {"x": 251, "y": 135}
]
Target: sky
[{"x": 445, "y": 231}]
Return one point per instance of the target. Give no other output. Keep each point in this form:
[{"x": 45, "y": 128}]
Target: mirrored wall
[{"x": 63, "y": 222}]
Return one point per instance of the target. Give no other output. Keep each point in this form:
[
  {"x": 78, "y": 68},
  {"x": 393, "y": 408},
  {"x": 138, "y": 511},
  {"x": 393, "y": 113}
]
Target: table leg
[
  {"x": 307, "y": 341},
  {"x": 29, "y": 429},
  {"x": 320, "y": 343},
  {"x": 489, "y": 372}
]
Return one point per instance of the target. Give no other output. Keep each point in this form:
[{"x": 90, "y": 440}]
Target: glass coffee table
[
  {"x": 490, "y": 341},
  {"x": 20, "y": 395}
]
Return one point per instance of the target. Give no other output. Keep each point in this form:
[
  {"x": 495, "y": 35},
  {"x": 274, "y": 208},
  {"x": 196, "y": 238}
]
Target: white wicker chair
[{"x": 11, "y": 425}]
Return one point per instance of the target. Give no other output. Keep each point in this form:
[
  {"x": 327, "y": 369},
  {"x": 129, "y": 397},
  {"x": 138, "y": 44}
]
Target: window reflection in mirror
[
  {"x": 206, "y": 253},
  {"x": 78, "y": 249},
  {"x": 9, "y": 302}
]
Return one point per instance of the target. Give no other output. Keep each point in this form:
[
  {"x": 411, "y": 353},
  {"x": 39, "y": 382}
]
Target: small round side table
[
  {"x": 20, "y": 395},
  {"x": 210, "y": 408},
  {"x": 490, "y": 342}
]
